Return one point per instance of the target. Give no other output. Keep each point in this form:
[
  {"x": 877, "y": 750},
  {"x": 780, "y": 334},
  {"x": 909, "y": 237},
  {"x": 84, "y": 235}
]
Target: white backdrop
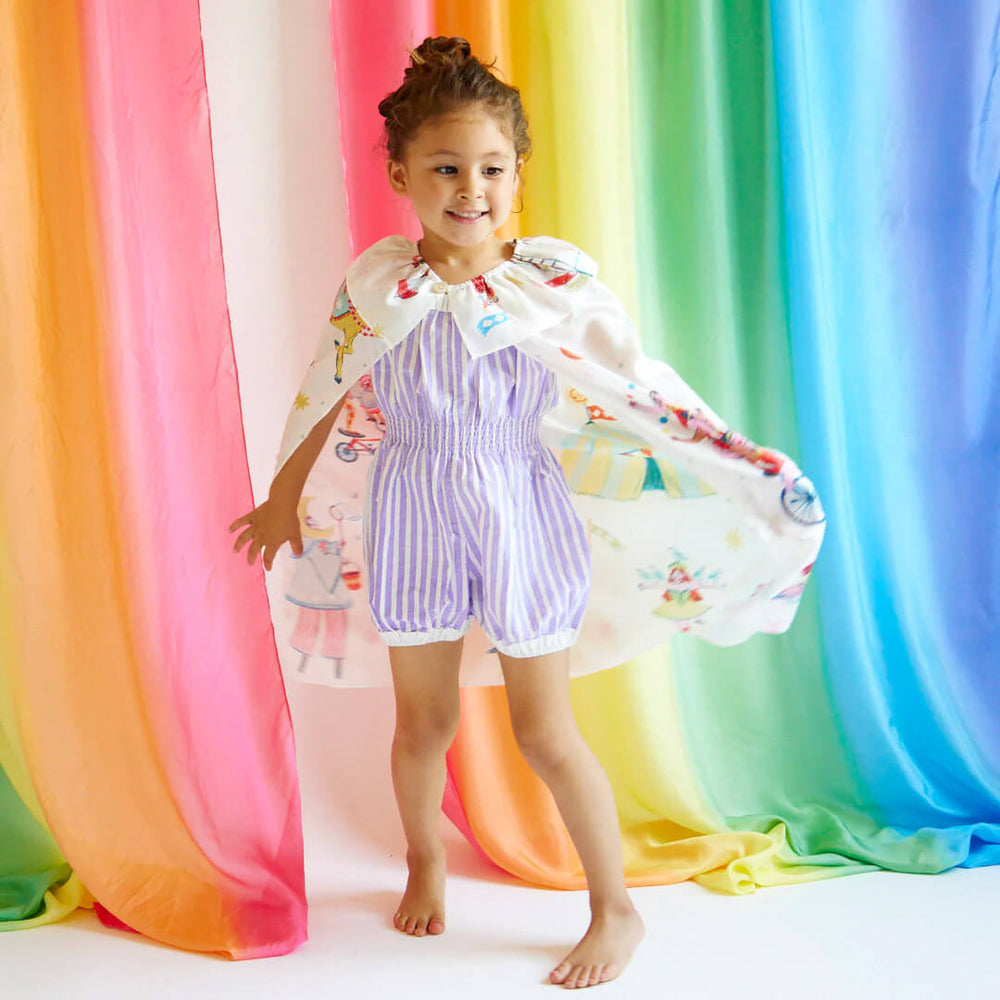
[{"x": 279, "y": 177}]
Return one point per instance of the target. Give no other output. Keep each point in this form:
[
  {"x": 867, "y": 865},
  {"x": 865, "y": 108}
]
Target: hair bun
[
  {"x": 440, "y": 53},
  {"x": 443, "y": 76}
]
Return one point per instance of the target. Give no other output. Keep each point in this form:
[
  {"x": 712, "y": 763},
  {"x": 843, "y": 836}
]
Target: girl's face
[{"x": 460, "y": 172}]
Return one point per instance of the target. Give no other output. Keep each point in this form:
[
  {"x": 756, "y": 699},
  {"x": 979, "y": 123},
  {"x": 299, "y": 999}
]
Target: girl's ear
[{"x": 397, "y": 175}]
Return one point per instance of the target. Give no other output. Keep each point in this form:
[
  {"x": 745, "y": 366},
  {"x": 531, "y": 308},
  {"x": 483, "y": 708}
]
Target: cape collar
[{"x": 392, "y": 288}]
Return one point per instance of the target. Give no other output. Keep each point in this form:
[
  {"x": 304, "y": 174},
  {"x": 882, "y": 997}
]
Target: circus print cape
[{"x": 692, "y": 527}]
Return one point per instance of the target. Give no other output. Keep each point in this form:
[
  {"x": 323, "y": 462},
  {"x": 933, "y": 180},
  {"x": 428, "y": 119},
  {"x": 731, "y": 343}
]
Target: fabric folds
[{"x": 139, "y": 671}]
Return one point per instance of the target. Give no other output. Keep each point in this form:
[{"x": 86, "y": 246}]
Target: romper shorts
[{"x": 468, "y": 515}]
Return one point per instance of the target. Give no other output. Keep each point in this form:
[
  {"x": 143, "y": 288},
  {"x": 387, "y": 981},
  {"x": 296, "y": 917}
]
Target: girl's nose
[{"x": 469, "y": 186}]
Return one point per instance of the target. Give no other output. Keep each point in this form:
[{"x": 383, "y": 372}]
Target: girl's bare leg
[
  {"x": 546, "y": 732},
  {"x": 425, "y": 680}
]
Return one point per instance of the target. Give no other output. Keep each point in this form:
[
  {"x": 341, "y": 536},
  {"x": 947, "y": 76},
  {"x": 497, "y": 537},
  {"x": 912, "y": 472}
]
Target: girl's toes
[
  {"x": 559, "y": 973},
  {"x": 399, "y": 921},
  {"x": 435, "y": 926},
  {"x": 411, "y": 924},
  {"x": 595, "y": 975},
  {"x": 573, "y": 979},
  {"x": 421, "y": 929}
]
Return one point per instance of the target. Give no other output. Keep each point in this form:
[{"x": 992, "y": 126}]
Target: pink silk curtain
[{"x": 145, "y": 723}]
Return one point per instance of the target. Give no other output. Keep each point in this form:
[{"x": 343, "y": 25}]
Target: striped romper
[{"x": 468, "y": 515}]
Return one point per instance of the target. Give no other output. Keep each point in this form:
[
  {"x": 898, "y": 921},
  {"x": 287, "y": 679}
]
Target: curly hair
[{"x": 444, "y": 75}]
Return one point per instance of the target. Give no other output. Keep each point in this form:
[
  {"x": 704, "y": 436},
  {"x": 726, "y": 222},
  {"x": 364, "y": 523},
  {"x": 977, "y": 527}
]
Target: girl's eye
[{"x": 447, "y": 170}]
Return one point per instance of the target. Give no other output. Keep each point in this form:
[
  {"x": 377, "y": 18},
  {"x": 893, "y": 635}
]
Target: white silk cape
[{"x": 692, "y": 527}]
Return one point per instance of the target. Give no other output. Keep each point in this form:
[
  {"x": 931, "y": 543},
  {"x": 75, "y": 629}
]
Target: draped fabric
[
  {"x": 799, "y": 205},
  {"x": 138, "y": 672}
]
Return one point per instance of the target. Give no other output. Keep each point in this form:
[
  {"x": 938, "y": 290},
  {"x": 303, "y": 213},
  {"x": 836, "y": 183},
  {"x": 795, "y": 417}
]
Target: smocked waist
[{"x": 507, "y": 435}]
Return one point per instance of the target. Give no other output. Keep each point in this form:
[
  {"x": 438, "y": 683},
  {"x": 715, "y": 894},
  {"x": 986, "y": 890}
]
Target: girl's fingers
[
  {"x": 267, "y": 550},
  {"x": 243, "y": 538},
  {"x": 245, "y": 519}
]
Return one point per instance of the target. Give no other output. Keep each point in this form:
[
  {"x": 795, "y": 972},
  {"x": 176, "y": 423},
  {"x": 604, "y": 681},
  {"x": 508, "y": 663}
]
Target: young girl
[{"x": 487, "y": 360}]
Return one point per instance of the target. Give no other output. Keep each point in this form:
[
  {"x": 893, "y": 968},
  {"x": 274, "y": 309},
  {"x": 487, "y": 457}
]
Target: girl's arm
[
  {"x": 276, "y": 520},
  {"x": 291, "y": 478}
]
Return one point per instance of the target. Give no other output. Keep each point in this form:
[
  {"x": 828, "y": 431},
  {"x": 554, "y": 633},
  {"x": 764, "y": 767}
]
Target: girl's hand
[{"x": 268, "y": 527}]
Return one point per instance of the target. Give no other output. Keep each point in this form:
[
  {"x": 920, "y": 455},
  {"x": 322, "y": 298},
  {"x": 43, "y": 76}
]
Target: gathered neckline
[{"x": 474, "y": 278}]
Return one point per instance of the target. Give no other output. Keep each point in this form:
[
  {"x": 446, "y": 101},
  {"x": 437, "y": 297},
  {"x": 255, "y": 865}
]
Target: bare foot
[
  {"x": 604, "y": 950},
  {"x": 421, "y": 910}
]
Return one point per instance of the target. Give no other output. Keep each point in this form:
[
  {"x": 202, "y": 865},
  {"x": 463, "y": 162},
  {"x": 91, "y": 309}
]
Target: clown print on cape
[{"x": 691, "y": 527}]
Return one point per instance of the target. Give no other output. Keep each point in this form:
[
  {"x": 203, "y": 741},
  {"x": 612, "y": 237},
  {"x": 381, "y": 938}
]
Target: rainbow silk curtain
[
  {"x": 797, "y": 201},
  {"x": 138, "y": 671}
]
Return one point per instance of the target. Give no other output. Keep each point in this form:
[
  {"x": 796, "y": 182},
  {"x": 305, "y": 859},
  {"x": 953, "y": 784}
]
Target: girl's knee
[
  {"x": 545, "y": 745},
  {"x": 425, "y": 682},
  {"x": 426, "y": 728}
]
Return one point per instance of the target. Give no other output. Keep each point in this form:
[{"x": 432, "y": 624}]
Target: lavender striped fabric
[{"x": 468, "y": 515}]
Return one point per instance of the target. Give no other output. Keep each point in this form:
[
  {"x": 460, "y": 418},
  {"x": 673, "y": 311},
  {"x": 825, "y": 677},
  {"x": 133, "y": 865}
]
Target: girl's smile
[{"x": 465, "y": 217}]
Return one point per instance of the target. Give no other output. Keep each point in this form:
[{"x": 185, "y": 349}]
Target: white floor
[{"x": 879, "y": 935}]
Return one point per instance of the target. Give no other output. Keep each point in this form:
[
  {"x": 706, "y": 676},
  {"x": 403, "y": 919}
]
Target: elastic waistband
[{"x": 506, "y": 436}]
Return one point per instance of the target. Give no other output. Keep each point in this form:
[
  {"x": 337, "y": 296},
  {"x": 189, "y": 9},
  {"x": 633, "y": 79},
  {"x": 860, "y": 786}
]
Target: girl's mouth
[{"x": 465, "y": 217}]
